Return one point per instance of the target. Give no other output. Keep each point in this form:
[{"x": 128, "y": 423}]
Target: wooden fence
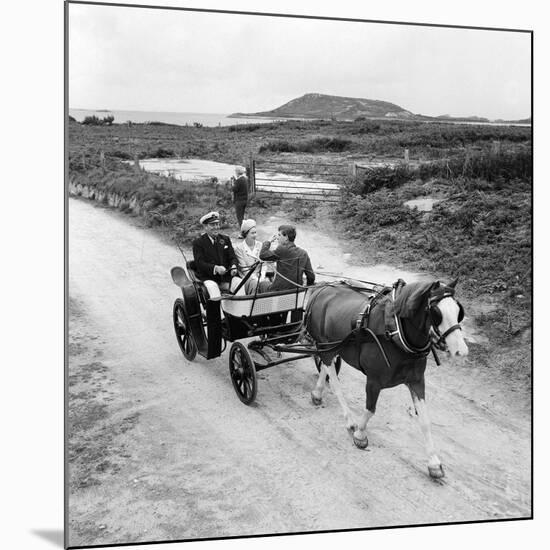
[
  {"x": 299, "y": 180},
  {"x": 308, "y": 180}
]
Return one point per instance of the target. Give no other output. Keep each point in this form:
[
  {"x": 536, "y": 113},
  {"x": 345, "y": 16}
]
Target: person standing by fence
[{"x": 240, "y": 193}]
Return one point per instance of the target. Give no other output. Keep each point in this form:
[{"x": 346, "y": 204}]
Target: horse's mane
[{"x": 411, "y": 297}]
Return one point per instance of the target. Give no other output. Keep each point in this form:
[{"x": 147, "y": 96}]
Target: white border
[{"x": 32, "y": 269}]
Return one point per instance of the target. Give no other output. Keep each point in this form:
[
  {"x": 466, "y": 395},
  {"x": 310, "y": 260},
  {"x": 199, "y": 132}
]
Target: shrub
[
  {"x": 162, "y": 153},
  {"x": 96, "y": 121},
  {"x": 92, "y": 120},
  {"x": 503, "y": 167},
  {"x": 245, "y": 127},
  {"x": 121, "y": 155},
  {"x": 315, "y": 145},
  {"x": 379, "y": 177}
]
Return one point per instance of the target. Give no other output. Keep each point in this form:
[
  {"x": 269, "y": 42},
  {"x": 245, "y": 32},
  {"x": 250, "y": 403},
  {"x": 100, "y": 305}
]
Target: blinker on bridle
[{"x": 436, "y": 317}]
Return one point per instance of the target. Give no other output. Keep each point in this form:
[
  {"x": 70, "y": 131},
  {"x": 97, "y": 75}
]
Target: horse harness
[
  {"x": 360, "y": 331},
  {"x": 393, "y": 329}
]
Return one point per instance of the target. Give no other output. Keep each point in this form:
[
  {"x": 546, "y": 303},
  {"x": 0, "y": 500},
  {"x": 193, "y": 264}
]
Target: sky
[{"x": 125, "y": 58}]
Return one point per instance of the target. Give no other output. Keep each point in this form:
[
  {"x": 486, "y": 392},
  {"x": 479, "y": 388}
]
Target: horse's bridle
[{"x": 438, "y": 339}]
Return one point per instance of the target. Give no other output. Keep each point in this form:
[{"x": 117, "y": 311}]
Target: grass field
[{"x": 235, "y": 144}]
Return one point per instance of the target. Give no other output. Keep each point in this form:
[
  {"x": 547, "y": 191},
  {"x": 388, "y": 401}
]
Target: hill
[{"x": 332, "y": 107}]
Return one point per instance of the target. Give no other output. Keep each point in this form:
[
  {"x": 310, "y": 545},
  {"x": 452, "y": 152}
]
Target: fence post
[
  {"x": 136, "y": 162},
  {"x": 495, "y": 148},
  {"x": 354, "y": 169},
  {"x": 252, "y": 175},
  {"x": 406, "y": 158},
  {"x": 467, "y": 160},
  {"x": 102, "y": 160}
]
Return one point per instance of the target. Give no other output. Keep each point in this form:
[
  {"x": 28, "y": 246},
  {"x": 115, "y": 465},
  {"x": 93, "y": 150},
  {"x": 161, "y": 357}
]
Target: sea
[
  {"x": 181, "y": 119},
  {"x": 219, "y": 119}
]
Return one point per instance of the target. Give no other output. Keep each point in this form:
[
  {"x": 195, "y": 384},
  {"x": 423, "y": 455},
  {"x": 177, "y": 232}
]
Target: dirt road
[{"x": 162, "y": 449}]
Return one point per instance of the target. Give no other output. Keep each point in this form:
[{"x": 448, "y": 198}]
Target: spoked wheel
[
  {"x": 338, "y": 364},
  {"x": 243, "y": 373},
  {"x": 184, "y": 336}
]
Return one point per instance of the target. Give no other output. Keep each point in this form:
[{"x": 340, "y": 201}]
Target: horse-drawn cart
[
  {"x": 204, "y": 326},
  {"x": 384, "y": 332}
]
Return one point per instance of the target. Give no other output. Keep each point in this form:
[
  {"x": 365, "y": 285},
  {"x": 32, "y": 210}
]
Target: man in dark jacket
[
  {"x": 215, "y": 261},
  {"x": 240, "y": 194},
  {"x": 293, "y": 263}
]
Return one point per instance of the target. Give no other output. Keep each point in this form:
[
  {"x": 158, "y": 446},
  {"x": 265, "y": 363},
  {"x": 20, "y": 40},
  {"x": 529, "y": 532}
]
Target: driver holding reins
[{"x": 215, "y": 260}]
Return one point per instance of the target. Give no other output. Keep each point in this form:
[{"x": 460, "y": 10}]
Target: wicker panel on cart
[{"x": 262, "y": 304}]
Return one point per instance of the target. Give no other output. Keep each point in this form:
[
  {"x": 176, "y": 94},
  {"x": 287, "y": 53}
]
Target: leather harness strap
[{"x": 394, "y": 331}]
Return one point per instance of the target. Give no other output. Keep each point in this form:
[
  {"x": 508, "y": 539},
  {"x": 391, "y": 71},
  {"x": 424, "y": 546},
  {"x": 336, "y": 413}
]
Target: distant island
[{"x": 331, "y": 107}]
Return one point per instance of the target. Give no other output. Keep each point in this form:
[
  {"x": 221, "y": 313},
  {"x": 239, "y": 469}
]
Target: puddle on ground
[{"x": 189, "y": 169}]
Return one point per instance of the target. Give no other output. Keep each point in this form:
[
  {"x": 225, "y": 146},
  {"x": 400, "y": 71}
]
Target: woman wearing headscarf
[{"x": 247, "y": 252}]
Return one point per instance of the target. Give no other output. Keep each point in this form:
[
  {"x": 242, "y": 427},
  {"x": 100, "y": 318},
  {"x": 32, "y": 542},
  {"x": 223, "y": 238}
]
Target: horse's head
[
  {"x": 446, "y": 314},
  {"x": 431, "y": 311}
]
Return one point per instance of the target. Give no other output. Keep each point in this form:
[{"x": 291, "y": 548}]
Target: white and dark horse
[{"x": 391, "y": 336}]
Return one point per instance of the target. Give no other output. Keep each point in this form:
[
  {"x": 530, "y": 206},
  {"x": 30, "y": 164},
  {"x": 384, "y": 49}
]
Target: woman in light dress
[{"x": 247, "y": 252}]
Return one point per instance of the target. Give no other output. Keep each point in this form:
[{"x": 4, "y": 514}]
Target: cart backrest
[
  {"x": 263, "y": 304},
  {"x": 192, "y": 270}
]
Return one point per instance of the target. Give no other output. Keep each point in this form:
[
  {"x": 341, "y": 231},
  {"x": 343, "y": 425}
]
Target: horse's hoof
[
  {"x": 436, "y": 472},
  {"x": 361, "y": 443},
  {"x": 316, "y": 400}
]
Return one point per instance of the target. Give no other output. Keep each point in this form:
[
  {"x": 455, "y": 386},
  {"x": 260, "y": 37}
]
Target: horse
[{"x": 387, "y": 335}]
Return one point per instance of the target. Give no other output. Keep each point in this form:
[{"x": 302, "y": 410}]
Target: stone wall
[{"x": 105, "y": 196}]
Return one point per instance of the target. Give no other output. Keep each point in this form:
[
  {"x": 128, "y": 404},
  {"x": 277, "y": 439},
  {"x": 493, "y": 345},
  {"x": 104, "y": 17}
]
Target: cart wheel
[
  {"x": 338, "y": 364},
  {"x": 243, "y": 373},
  {"x": 184, "y": 336}
]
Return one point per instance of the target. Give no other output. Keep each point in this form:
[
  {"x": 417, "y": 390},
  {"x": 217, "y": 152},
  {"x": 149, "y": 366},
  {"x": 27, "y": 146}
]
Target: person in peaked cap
[{"x": 215, "y": 260}]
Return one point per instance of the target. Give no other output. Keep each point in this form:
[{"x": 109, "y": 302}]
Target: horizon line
[{"x": 446, "y": 115}]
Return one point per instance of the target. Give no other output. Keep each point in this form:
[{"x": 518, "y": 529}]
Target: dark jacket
[
  {"x": 240, "y": 189},
  {"x": 292, "y": 263},
  {"x": 207, "y": 255}
]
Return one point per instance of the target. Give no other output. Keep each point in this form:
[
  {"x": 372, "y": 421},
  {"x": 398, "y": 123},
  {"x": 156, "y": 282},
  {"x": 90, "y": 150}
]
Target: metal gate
[{"x": 297, "y": 180}]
